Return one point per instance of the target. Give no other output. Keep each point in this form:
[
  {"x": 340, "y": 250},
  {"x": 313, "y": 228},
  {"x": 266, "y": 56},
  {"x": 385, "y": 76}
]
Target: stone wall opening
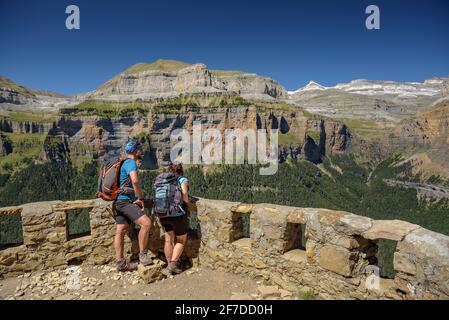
[
  {"x": 11, "y": 231},
  {"x": 295, "y": 237},
  {"x": 240, "y": 226},
  {"x": 295, "y": 243},
  {"x": 78, "y": 223},
  {"x": 385, "y": 257}
]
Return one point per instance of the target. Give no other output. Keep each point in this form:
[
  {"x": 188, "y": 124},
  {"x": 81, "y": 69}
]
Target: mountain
[
  {"x": 153, "y": 98},
  {"x": 14, "y": 96},
  {"x": 370, "y": 99},
  {"x": 169, "y": 78},
  {"x": 430, "y": 87}
]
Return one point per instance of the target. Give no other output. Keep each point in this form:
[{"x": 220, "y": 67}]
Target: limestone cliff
[
  {"x": 24, "y": 126},
  {"x": 431, "y": 126},
  {"x": 16, "y": 97},
  {"x": 95, "y": 136},
  {"x": 165, "y": 78}
]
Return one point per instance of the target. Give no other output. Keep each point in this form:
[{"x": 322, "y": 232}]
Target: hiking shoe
[
  {"x": 173, "y": 268},
  {"x": 123, "y": 266},
  {"x": 145, "y": 259},
  {"x": 166, "y": 272}
]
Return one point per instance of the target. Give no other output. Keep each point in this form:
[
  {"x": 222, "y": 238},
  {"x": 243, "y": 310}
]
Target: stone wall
[{"x": 337, "y": 261}]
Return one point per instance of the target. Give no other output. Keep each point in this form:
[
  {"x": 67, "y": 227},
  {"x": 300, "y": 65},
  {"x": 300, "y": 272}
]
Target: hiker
[
  {"x": 171, "y": 209},
  {"x": 129, "y": 207}
]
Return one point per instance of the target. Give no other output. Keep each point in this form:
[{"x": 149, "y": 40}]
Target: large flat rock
[{"x": 389, "y": 229}]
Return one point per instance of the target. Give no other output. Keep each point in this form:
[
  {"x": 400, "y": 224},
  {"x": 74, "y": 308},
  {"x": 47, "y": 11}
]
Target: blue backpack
[{"x": 167, "y": 195}]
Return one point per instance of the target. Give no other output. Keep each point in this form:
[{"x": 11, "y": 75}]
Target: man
[{"x": 130, "y": 208}]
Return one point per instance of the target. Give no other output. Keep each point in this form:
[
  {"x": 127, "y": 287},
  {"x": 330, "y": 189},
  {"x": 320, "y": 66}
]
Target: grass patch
[
  {"x": 369, "y": 129},
  {"x": 6, "y": 83},
  {"x": 314, "y": 135},
  {"x": 36, "y": 117},
  {"x": 288, "y": 139},
  {"x": 161, "y": 64},
  {"x": 210, "y": 101},
  {"x": 225, "y": 73},
  {"x": 207, "y": 102},
  {"x": 306, "y": 295},
  {"x": 107, "y": 109}
]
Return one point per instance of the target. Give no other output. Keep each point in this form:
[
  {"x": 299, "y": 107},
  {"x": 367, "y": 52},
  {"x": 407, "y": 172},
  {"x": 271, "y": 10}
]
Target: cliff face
[
  {"x": 16, "y": 96},
  {"x": 158, "y": 83},
  {"x": 95, "y": 136},
  {"x": 24, "y": 126},
  {"x": 13, "y": 97},
  {"x": 431, "y": 126}
]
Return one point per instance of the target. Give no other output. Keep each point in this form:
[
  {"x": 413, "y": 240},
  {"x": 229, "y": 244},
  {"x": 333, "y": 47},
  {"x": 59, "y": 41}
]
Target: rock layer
[
  {"x": 192, "y": 79},
  {"x": 95, "y": 136},
  {"x": 430, "y": 127}
]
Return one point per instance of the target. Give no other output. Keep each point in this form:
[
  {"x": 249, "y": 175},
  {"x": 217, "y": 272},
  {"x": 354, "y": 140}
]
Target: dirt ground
[{"x": 105, "y": 283}]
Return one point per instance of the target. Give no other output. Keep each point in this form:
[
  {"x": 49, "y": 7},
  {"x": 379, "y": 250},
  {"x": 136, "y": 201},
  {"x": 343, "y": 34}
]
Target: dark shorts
[
  {"x": 179, "y": 225},
  {"x": 127, "y": 212}
]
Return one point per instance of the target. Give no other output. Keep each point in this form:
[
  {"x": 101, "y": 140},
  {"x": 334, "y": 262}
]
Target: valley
[{"x": 375, "y": 148}]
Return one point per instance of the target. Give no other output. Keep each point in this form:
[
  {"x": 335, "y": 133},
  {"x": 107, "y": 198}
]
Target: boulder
[{"x": 152, "y": 273}]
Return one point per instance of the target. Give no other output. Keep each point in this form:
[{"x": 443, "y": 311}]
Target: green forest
[{"x": 338, "y": 183}]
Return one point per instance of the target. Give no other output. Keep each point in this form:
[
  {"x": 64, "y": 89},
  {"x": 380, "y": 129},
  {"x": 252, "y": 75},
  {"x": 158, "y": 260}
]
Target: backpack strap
[{"x": 122, "y": 161}]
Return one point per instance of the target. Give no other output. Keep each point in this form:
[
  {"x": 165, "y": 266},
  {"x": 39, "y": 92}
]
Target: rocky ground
[{"x": 105, "y": 283}]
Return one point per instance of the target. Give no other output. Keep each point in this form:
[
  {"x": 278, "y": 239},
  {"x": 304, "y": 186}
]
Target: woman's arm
[{"x": 185, "y": 192}]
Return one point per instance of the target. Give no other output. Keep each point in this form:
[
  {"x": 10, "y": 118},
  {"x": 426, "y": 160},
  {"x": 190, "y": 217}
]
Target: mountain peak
[
  {"x": 314, "y": 85},
  {"x": 311, "y": 86}
]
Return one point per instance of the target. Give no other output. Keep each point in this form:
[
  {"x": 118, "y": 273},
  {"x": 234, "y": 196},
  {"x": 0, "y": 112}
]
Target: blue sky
[{"x": 290, "y": 41}]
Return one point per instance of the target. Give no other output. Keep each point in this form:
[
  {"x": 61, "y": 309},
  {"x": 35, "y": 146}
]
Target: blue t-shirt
[
  {"x": 128, "y": 166},
  {"x": 181, "y": 180}
]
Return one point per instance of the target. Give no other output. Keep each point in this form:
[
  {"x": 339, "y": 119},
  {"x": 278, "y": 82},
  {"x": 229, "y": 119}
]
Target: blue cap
[{"x": 133, "y": 146}]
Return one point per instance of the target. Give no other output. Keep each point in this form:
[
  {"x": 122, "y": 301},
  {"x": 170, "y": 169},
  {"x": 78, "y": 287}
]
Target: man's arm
[{"x": 137, "y": 187}]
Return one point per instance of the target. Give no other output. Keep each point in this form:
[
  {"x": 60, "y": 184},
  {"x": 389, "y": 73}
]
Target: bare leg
[
  {"x": 119, "y": 240},
  {"x": 144, "y": 233},
  {"x": 168, "y": 245},
  {"x": 179, "y": 247}
]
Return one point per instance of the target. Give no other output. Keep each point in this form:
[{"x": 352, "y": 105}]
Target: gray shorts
[{"x": 127, "y": 212}]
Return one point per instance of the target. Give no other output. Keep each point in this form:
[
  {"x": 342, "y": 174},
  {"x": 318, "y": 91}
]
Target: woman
[{"x": 176, "y": 227}]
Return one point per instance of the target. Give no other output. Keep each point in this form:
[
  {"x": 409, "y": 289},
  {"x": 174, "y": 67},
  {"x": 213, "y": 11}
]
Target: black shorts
[
  {"x": 127, "y": 212},
  {"x": 179, "y": 225}
]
